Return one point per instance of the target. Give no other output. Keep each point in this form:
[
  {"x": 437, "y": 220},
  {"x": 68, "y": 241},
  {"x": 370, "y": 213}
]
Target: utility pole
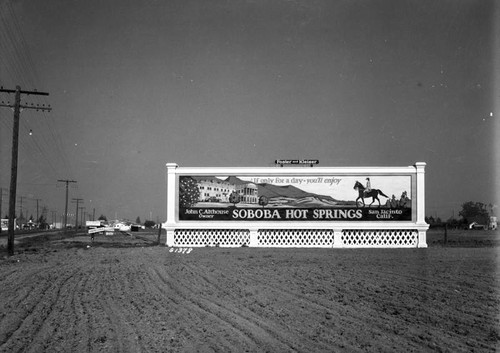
[
  {"x": 1, "y": 201},
  {"x": 15, "y": 152},
  {"x": 76, "y": 220},
  {"x": 37, "y": 217},
  {"x": 82, "y": 216},
  {"x": 54, "y": 219},
  {"x": 66, "y": 206},
  {"x": 1, "y": 193},
  {"x": 21, "y": 207}
]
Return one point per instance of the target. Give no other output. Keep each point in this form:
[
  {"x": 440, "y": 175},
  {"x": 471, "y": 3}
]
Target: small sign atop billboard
[{"x": 297, "y": 161}]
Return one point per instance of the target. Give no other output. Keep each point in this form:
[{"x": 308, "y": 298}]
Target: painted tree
[
  {"x": 234, "y": 198},
  {"x": 189, "y": 194},
  {"x": 263, "y": 201}
]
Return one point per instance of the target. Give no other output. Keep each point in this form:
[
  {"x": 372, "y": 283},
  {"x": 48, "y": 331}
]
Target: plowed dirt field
[{"x": 123, "y": 294}]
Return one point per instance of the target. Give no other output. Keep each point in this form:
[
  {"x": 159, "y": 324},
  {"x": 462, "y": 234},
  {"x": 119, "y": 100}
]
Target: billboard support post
[{"x": 420, "y": 167}]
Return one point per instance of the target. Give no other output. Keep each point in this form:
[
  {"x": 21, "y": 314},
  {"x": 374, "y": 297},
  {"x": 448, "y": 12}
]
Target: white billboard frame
[{"x": 338, "y": 227}]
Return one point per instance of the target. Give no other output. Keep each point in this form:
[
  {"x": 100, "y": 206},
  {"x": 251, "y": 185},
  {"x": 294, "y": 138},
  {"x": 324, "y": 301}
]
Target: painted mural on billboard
[{"x": 295, "y": 198}]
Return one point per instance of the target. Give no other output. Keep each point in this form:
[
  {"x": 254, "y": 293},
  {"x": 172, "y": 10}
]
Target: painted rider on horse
[
  {"x": 368, "y": 186},
  {"x": 367, "y": 192}
]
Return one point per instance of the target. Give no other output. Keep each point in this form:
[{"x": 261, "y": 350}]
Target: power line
[{"x": 44, "y": 148}]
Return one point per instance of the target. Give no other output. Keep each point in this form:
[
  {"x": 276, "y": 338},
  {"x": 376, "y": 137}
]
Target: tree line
[{"x": 472, "y": 211}]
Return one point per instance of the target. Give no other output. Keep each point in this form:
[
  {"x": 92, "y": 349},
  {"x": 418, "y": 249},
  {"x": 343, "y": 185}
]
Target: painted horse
[{"x": 373, "y": 193}]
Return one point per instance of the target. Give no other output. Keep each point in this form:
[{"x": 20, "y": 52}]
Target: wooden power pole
[
  {"x": 66, "y": 205},
  {"x": 17, "y": 106},
  {"x": 76, "y": 220},
  {"x": 37, "y": 216},
  {"x": 1, "y": 201}
]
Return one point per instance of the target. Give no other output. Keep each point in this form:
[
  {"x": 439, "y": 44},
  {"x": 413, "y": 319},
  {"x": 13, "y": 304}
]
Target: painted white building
[
  {"x": 214, "y": 189},
  {"x": 249, "y": 192}
]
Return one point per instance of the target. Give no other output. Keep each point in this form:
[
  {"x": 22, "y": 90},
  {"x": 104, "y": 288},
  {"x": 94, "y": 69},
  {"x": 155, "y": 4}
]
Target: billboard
[
  {"x": 295, "y": 198},
  {"x": 4, "y": 224},
  {"x": 92, "y": 223}
]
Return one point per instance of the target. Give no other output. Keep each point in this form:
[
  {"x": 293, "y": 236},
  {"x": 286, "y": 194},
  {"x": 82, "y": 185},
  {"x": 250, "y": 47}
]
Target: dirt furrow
[
  {"x": 210, "y": 314},
  {"x": 93, "y": 314},
  {"x": 113, "y": 298},
  {"x": 272, "y": 331},
  {"x": 277, "y": 305},
  {"x": 58, "y": 327},
  {"x": 18, "y": 299},
  {"x": 119, "y": 333},
  {"x": 21, "y": 335},
  {"x": 27, "y": 283},
  {"x": 327, "y": 318},
  {"x": 180, "y": 311},
  {"x": 255, "y": 303},
  {"x": 124, "y": 337},
  {"x": 361, "y": 307},
  {"x": 79, "y": 338}
]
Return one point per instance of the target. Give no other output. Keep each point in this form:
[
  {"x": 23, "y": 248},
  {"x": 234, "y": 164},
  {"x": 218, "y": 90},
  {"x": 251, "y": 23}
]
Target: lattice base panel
[
  {"x": 380, "y": 238},
  {"x": 295, "y": 237},
  {"x": 211, "y": 237}
]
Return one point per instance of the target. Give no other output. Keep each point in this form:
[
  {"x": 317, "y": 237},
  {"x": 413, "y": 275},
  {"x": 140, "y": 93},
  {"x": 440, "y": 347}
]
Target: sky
[{"x": 134, "y": 85}]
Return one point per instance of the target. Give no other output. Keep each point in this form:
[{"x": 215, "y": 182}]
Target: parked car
[
  {"x": 475, "y": 225},
  {"x": 122, "y": 227}
]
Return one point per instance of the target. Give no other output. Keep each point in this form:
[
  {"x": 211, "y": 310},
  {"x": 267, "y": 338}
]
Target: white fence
[{"x": 296, "y": 207}]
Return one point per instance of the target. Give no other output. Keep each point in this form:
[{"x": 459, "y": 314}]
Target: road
[{"x": 31, "y": 234}]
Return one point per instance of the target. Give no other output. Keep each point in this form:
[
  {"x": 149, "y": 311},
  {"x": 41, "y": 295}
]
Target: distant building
[
  {"x": 5, "y": 224},
  {"x": 493, "y": 223}
]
